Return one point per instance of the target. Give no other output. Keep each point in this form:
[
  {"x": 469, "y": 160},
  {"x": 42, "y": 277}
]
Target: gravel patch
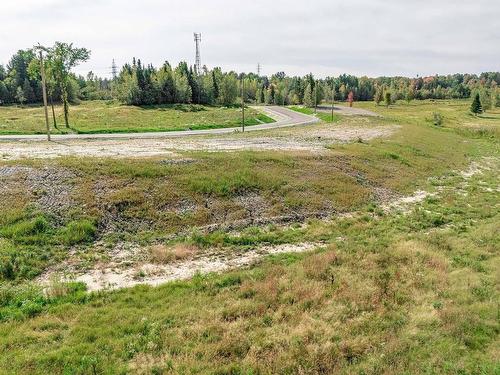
[{"x": 313, "y": 139}]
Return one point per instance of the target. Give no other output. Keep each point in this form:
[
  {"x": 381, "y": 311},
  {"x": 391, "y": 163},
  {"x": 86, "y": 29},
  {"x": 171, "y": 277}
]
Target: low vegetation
[
  {"x": 167, "y": 254},
  {"x": 111, "y": 117},
  {"x": 407, "y": 289},
  {"x": 326, "y": 117}
]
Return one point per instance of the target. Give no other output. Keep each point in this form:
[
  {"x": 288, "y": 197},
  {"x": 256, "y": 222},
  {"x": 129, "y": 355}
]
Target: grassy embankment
[
  {"x": 111, "y": 117},
  {"x": 326, "y": 117},
  {"x": 392, "y": 293}
]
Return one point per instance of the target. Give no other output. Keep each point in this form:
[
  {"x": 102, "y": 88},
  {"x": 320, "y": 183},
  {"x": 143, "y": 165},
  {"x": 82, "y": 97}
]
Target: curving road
[{"x": 284, "y": 117}]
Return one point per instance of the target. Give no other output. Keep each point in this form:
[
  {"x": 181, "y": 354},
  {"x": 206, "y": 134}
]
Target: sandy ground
[{"x": 113, "y": 275}]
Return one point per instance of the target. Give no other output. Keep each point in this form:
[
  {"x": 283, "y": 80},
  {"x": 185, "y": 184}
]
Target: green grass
[
  {"x": 357, "y": 305},
  {"x": 321, "y": 115},
  {"x": 455, "y": 115},
  {"x": 110, "y": 117},
  {"x": 411, "y": 293}
]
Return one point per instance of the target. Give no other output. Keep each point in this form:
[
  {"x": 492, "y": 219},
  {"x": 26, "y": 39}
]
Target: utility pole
[
  {"x": 44, "y": 93},
  {"x": 315, "y": 96},
  {"x": 333, "y": 96},
  {"x": 243, "y": 102}
]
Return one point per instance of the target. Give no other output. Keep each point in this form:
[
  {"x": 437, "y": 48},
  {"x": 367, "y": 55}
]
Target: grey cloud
[{"x": 327, "y": 37}]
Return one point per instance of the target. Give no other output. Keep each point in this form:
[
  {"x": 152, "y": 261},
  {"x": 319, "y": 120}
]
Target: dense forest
[{"x": 140, "y": 84}]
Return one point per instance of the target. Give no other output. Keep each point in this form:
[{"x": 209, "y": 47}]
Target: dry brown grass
[
  {"x": 318, "y": 267},
  {"x": 163, "y": 254}
]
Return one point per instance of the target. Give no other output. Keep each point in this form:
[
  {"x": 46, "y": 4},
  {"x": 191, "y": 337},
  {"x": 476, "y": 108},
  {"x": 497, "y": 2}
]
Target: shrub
[{"x": 438, "y": 118}]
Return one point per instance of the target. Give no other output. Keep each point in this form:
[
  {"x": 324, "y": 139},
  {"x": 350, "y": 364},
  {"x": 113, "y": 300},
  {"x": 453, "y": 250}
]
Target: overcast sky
[{"x": 326, "y": 37}]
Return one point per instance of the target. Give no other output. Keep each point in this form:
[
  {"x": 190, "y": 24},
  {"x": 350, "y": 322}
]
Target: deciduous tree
[{"x": 62, "y": 58}]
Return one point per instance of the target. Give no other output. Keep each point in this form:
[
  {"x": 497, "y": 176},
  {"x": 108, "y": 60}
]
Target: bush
[{"x": 437, "y": 118}]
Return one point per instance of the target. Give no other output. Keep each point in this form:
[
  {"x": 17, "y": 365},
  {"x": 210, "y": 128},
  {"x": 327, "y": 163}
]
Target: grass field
[
  {"x": 407, "y": 291},
  {"x": 322, "y": 116},
  {"x": 111, "y": 117}
]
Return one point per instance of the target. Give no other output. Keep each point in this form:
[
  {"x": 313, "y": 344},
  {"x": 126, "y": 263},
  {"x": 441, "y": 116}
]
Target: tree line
[
  {"x": 21, "y": 82},
  {"x": 143, "y": 84}
]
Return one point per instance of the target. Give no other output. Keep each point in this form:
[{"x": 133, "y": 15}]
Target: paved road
[{"x": 284, "y": 117}]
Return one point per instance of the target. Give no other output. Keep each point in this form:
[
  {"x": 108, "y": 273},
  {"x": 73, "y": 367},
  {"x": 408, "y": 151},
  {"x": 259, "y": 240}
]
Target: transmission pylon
[
  {"x": 197, "y": 64},
  {"x": 114, "y": 69},
  {"x": 258, "y": 69}
]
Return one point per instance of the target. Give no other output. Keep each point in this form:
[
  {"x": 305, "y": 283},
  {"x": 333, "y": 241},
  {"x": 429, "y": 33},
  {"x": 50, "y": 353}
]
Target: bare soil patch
[
  {"x": 126, "y": 264},
  {"x": 314, "y": 138},
  {"x": 113, "y": 275}
]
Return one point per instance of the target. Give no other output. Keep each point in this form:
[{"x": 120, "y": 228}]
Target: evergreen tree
[
  {"x": 308, "y": 96},
  {"x": 476, "y": 106},
  {"x": 195, "y": 87},
  {"x": 271, "y": 95},
  {"x": 28, "y": 92},
  {"x": 215, "y": 86},
  {"x": 166, "y": 84},
  {"x": 388, "y": 99},
  {"x": 4, "y": 93}
]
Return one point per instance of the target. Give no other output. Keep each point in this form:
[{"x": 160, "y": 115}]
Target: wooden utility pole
[
  {"x": 333, "y": 96},
  {"x": 44, "y": 93},
  {"x": 315, "y": 96},
  {"x": 243, "y": 102}
]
